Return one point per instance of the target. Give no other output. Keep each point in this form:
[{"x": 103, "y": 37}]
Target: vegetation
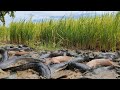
[
  {"x": 3, "y": 13},
  {"x": 99, "y": 32},
  {"x": 4, "y": 34}
]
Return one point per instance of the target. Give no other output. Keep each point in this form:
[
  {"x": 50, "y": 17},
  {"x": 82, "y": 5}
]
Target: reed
[
  {"x": 4, "y": 34},
  {"x": 98, "y": 32}
]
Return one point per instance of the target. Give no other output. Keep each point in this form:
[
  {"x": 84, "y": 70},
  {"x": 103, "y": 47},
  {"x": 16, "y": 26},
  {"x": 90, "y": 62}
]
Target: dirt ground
[
  {"x": 99, "y": 73},
  {"x": 67, "y": 74},
  {"x": 31, "y": 74}
]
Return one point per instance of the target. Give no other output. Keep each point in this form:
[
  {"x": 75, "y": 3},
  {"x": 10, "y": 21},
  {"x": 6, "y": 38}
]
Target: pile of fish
[{"x": 92, "y": 65}]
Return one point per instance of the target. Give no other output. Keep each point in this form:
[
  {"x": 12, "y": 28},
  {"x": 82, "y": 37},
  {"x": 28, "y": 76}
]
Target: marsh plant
[{"x": 90, "y": 32}]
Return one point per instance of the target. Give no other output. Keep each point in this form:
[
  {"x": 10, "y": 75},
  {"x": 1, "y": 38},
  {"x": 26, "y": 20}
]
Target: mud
[
  {"x": 102, "y": 73},
  {"x": 67, "y": 74},
  {"x": 76, "y": 61}
]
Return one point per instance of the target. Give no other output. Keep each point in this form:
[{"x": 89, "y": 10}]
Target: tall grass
[
  {"x": 99, "y": 32},
  {"x": 4, "y": 34}
]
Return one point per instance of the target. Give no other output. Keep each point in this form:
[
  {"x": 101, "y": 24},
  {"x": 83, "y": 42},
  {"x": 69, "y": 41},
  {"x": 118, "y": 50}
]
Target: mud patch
[
  {"x": 27, "y": 74},
  {"x": 19, "y": 63},
  {"x": 4, "y": 74},
  {"x": 102, "y": 73},
  {"x": 67, "y": 74}
]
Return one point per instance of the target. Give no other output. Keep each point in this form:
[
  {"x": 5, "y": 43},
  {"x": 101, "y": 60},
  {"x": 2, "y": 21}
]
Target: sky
[{"x": 37, "y": 15}]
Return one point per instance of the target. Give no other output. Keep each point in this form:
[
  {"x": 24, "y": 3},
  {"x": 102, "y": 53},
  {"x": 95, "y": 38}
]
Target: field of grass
[{"x": 99, "y": 32}]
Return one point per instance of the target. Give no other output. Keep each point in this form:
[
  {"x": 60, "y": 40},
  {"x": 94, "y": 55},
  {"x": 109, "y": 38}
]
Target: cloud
[{"x": 48, "y": 14}]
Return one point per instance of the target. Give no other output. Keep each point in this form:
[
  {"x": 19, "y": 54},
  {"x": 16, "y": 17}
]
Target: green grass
[
  {"x": 99, "y": 32},
  {"x": 4, "y": 34}
]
